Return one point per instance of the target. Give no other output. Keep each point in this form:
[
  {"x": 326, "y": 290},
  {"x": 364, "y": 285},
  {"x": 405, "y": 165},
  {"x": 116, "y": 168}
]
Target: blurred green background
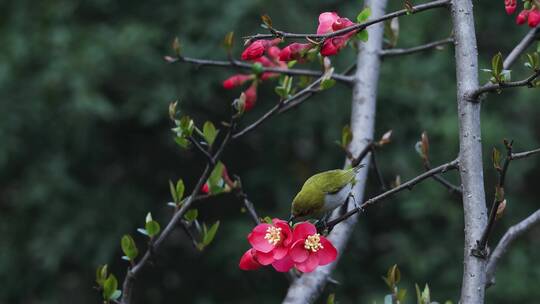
[{"x": 86, "y": 151}]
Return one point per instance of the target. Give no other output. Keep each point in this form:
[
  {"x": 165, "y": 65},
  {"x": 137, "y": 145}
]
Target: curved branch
[
  {"x": 521, "y": 47},
  {"x": 405, "y": 186},
  {"x": 357, "y": 27},
  {"x": 509, "y": 237},
  {"x": 527, "y": 82}
]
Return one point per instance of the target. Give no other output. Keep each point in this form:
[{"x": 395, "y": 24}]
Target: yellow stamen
[
  {"x": 313, "y": 243},
  {"x": 273, "y": 235}
]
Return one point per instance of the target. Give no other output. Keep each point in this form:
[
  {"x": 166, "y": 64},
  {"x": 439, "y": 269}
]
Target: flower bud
[
  {"x": 522, "y": 17},
  {"x": 534, "y": 18},
  {"x": 235, "y": 81}
]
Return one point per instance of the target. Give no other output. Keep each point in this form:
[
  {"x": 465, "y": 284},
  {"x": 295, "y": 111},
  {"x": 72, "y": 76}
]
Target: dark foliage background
[{"x": 86, "y": 150}]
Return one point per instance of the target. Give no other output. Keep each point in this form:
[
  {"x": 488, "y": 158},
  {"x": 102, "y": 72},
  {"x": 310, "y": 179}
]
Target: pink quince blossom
[
  {"x": 236, "y": 80},
  {"x": 309, "y": 249}
]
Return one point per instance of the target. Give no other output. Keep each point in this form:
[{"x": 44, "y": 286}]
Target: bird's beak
[{"x": 291, "y": 218}]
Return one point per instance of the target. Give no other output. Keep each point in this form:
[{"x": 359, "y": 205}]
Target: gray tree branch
[
  {"x": 470, "y": 156},
  {"x": 509, "y": 237}
]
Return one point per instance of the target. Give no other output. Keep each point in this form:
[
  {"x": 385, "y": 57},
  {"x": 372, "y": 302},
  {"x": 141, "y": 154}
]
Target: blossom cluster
[
  {"x": 268, "y": 54},
  {"x": 278, "y": 245},
  {"x": 530, "y": 13}
]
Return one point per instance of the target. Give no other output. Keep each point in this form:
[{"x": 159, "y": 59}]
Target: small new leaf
[
  {"x": 210, "y": 234},
  {"x": 331, "y": 298},
  {"x": 496, "y": 157},
  {"x": 180, "y": 188},
  {"x": 425, "y": 145},
  {"x": 129, "y": 248},
  {"x": 101, "y": 275},
  {"x": 191, "y": 215},
  {"x": 327, "y": 83},
  {"x": 346, "y": 136},
  {"x": 363, "y": 16},
  {"x": 363, "y": 36},
  {"x": 152, "y": 228},
  {"x": 497, "y": 67},
  {"x": 176, "y": 46},
  {"x": 257, "y": 68},
  {"x": 228, "y": 41},
  {"x": 500, "y": 210},
  {"x": 210, "y": 132},
  {"x": 109, "y": 287}
]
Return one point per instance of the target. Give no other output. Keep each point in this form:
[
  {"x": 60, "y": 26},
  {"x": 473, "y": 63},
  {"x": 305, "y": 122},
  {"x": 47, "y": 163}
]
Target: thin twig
[
  {"x": 509, "y": 237},
  {"x": 416, "y": 49},
  {"x": 495, "y": 87},
  {"x": 357, "y": 27},
  {"x": 525, "y": 154},
  {"x": 407, "y": 185},
  {"x": 443, "y": 181},
  {"x": 281, "y": 107},
  {"x": 481, "y": 247},
  {"x": 201, "y": 149},
  {"x": 249, "y": 66}
]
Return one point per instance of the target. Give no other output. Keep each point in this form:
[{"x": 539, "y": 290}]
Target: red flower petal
[
  {"x": 257, "y": 240},
  {"x": 283, "y": 265},
  {"x": 280, "y": 252},
  {"x": 286, "y": 232},
  {"x": 303, "y": 230},
  {"x": 248, "y": 262},
  {"x": 251, "y": 97},
  {"x": 328, "y": 253},
  {"x": 309, "y": 265},
  {"x": 297, "y": 252},
  {"x": 264, "y": 258}
]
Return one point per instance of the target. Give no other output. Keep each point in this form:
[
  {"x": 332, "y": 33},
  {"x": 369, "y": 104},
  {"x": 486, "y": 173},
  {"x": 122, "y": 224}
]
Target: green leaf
[
  {"x": 346, "y": 136},
  {"x": 128, "y": 247},
  {"x": 182, "y": 142},
  {"x": 497, "y": 66},
  {"x": 152, "y": 228},
  {"x": 418, "y": 294},
  {"x": 538, "y": 47},
  {"x": 327, "y": 83},
  {"x": 267, "y": 220},
  {"x": 363, "y": 16},
  {"x": 191, "y": 215},
  {"x": 331, "y": 298},
  {"x": 426, "y": 297},
  {"x": 215, "y": 181},
  {"x": 363, "y": 36},
  {"x": 401, "y": 295},
  {"x": 496, "y": 157},
  {"x": 173, "y": 191},
  {"x": 109, "y": 287},
  {"x": 210, "y": 234},
  {"x": 210, "y": 132},
  {"x": 180, "y": 188},
  {"x": 101, "y": 275},
  {"x": 176, "y": 46},
  {"x": 228, "y": 41}
]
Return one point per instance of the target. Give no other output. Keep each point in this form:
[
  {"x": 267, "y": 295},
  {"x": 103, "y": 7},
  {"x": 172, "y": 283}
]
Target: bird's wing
[{"x": 334, "y": 180}]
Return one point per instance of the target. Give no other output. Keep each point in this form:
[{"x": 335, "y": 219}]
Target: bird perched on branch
[{"x": 324, "y": 192}]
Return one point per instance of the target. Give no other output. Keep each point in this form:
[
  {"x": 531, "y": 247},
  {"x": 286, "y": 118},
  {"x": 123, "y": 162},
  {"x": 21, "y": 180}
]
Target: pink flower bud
[
  {"x": 205, "y": 188},
  {"x": 273, "y": 52},
  {"x": 235, "y": 81},
  {"x": 342, "y": 23},
  {"x": 251, "y": 97},
  {"x": 510, "y": 6},
  {"x": 257, "y": 48},
  {"x": 534, "y": 18},
  {"x": 333, "y": 45},
  {"x": 522, "y": 17},
  {"x": 294, "y": 51}
]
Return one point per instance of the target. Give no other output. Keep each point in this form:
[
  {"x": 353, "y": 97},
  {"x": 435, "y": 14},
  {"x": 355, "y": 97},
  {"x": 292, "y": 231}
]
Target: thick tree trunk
[
  {"x": 309, "y": 287},
  {"x": 470, "y": 155}
]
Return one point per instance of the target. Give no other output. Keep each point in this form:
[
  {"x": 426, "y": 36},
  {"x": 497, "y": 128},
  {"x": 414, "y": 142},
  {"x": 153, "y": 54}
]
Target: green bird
[{"x": 324, "y": 192}]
